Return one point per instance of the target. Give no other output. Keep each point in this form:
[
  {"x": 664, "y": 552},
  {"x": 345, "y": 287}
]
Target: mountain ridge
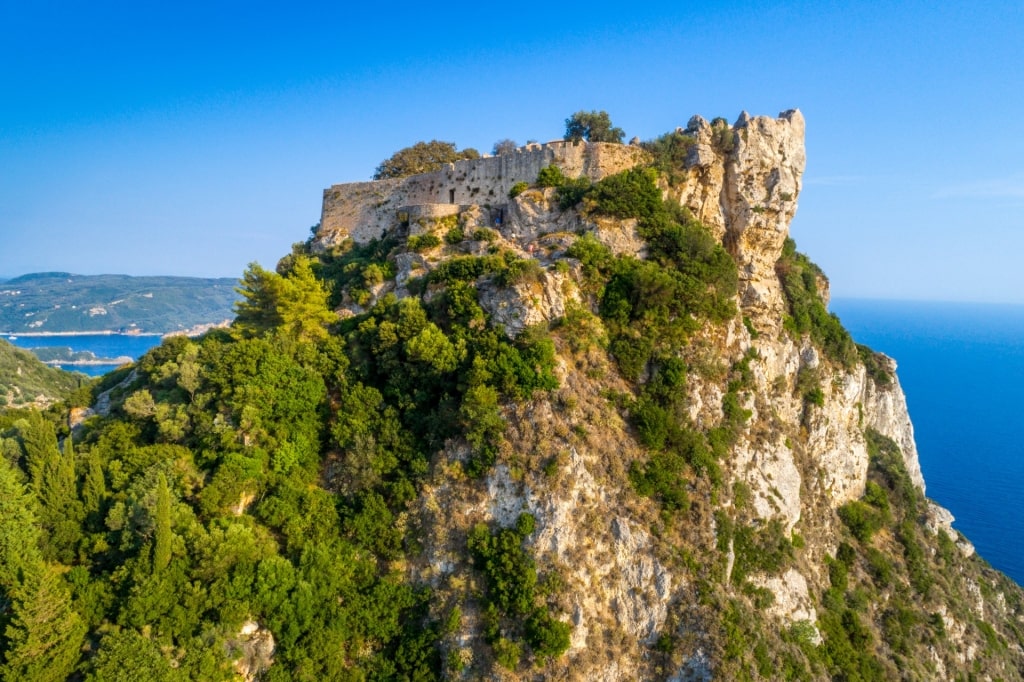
[{"x": 57, "y": 302}]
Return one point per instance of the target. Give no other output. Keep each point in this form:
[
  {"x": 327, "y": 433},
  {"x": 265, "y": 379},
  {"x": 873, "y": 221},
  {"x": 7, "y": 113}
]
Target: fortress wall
[{"x": 368, "y": 210}]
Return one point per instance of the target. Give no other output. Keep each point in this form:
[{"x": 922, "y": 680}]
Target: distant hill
[
  {"x": 64, "y": 302},
  {"x": 24, "y": 380}
]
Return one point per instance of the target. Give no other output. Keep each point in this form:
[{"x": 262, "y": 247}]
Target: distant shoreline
[
  {"x": 113, "y": 362},
  {"x": 99, "y": 333}
]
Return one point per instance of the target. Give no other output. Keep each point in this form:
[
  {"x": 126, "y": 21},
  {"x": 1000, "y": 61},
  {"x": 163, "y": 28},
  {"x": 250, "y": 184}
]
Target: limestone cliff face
[
  {"x": 629, "y": 580},
  {"x": 743, "y": 182}
]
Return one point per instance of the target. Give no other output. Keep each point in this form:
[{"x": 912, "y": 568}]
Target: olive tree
[
  {"x": 593, "y": 126},
  {"x": 505, "y": 146},
  {"x": 422, "y": 157}
]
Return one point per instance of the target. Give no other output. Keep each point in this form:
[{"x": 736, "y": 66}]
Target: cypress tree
[
  {"x": 44, "y": 635},
  {"x": 162, "y": 543},
  {"x": 53, "y": 482},
  {"x": 94, "y": 489}
]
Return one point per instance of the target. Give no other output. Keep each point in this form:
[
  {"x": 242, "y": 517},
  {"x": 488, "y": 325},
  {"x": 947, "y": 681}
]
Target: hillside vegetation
[
  {"x": 62, "y": 302},
  {"x": 24, "y": 380},
  {"x": 462, "y": 453}
]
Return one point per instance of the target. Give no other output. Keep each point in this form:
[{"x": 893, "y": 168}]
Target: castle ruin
[{"x": 362, "y": 211}]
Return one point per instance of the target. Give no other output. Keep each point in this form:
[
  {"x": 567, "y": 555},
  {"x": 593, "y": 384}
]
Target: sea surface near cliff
[
  {"x": 101, "y": 345},
  {"x": 962, "y": 368}
]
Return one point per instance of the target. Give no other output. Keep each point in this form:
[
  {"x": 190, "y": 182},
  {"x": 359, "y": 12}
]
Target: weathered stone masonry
[{"x": 366, "y": 210}]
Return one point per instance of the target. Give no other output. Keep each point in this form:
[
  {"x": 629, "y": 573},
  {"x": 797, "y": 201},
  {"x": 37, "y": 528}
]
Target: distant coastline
[
  {"x": 96, "y": 333},
  {"x": 98, "y": 362}
]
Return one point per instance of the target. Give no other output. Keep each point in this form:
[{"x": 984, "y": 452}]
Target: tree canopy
[
  {"x": 422, "y": 157},
  {"x": 505, "y": 146},
  {"x": 592, "y": 126}
]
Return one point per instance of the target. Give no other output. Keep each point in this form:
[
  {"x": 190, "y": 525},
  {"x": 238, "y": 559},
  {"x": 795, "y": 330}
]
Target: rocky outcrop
[
  {"x": 545, "y": 298},
  {"x": 633, "y": 579},
  {"x": 743, "y": 183},
  {"x": 254, "y": 647}
]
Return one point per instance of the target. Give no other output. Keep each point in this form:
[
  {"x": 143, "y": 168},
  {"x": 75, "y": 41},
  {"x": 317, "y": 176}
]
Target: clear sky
[{"x": 192, "y": 138}]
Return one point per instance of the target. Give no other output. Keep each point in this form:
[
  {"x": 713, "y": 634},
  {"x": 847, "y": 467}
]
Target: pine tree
[
  {"x": 303, "y": 305},
  {"x": 257, "y": 312}
]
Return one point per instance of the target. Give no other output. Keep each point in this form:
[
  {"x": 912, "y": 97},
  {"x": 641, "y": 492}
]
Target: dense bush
[
  {"x": 688, "y": 274},
  {"x": 551, "y": 176},
  {"x": 571, "y": 192},
  {"x": 356, "y": 269},
  {"x": 876, "y": 366},
  {"x": 669, "y": 153},
  {"x": 423, "y": 242},
  {"x": 861, "y": 518},
  {"x": 512, "y": 595},
  {"x": 517, "y": 189},
  {"x": 807, "y": 312}
]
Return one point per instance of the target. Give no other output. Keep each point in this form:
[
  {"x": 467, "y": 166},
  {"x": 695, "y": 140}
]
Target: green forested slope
[{"x": 24, "y": 380}]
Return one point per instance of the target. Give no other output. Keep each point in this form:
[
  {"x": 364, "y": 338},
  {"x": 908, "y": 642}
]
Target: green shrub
[
  {"x": 807, "y": 312},
  {"x": 455, "y": 235},
  {"x": 356, "y": 269},
  {"x": 571, "y": 192},
  {"x": 629, "y": 194},
  {"x": 862, "y": 519},
  {"x": 512, "y": 594},
  {"x": 669, "y": 153},
  {"x": 518, "y": 188},
  {"x": 422, "y": 242},
  {"x": 723, "y": 138},
  {"x": 764, "y": 549},
  {"x": 484, "y": 234},
  {"x": 507, "y": 653},
  {"x": 876, "y": 366},
  {"x": 547, "y": 636},
  {"x": 551, "y": 176}
]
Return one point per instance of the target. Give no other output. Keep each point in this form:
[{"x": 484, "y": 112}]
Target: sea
[
  {"x": 962, "y": 368},
  {"x": 101, "y": 345}
]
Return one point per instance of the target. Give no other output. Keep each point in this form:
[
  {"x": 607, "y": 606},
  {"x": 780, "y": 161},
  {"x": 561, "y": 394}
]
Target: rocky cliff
[{"x": 805, "y": 551}]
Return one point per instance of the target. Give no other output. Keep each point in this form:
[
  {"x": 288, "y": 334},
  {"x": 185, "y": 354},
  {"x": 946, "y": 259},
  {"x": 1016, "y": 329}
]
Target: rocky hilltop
[
  {"x": 574, "y": 412},
  {"x": 650, "y": 596}
]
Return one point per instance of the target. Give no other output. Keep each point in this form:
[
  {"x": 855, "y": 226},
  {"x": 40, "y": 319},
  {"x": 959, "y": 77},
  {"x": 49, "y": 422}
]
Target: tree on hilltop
[
  {"x": 295, "y": 302},
  {"x": 422, "y": 157},
  {"x": 505, "y": 146},
  {"x": 593, "y": 126}
]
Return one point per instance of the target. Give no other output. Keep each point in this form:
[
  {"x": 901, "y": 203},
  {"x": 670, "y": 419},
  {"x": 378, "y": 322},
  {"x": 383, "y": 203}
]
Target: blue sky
[{"x": 193, "y": 138}]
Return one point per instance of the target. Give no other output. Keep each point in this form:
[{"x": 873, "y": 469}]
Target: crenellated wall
[{"x": 367, "y": 210}]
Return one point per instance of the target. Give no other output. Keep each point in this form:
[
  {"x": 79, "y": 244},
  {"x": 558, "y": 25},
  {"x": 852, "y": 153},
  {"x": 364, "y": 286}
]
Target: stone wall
[{"x": 367, "y": 210}]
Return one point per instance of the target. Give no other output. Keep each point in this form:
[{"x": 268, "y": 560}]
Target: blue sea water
[
  {"x": 962, "y": 369},
  {"x": 101, "y": 345}
]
